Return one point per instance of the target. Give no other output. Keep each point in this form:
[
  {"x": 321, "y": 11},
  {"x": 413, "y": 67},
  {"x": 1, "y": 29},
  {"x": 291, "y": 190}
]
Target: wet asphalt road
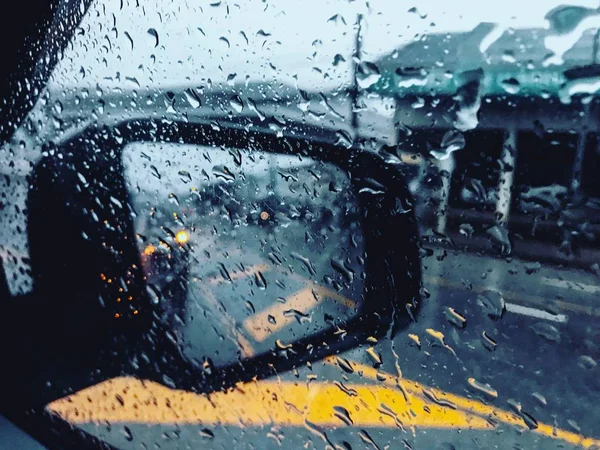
[{"x": 537, "y": 359}]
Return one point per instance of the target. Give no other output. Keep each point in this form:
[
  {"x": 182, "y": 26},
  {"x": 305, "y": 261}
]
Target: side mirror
[
  {"x": 247, "y": 251},
  {"x": 256, "y": 253}
]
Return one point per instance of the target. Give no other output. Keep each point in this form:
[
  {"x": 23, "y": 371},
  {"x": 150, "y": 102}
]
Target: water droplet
[
  {"x": 547, "y": 331},
  {"x": 374, "y": 357},
  {"x": 154, "y": 171},
  {"x": 415, "y": 338},
  {"x": 367, "y": 74},
  {"x": 451, "y": 142},
  {"x": 343, "y": 414},
  {"x": 500, "y": 239},
  {"x": 587, "y": 362},
  {"x": 82, "y": 178},
  {"x": 367, "y": 439},
  {"x": 252, "y": 106},
  {"x": 418, "y": 103},
  {"x": 224, "y": 272},
  {"x": 128, "y": 434},
  {"x": 344, "y": 364},
  {"x": 152, "y": 32},
  {"x": 206, "y": 433},
  {"x": 493, "y": 304},
  {"x": 511, "y": 85},
  {"x": 281, "y": 345},
  {"x": 509, "y": 57},
  {"x": 346, "y": 390},
  {"x": 58, "y": 107},
  {"x": 347, "y": 273},
  {"x": 224, "y": 173},
  {"x": 338, "y": 59},
  {"x": 193, "y": 98},
  {"x": 129, "y": 38},
  {"x": 298, "y": 315},
  {"x": 307, "y": 263},
  {"x": 430, "y": 394},
  {"x": 439, "y": 339},
  {"x": 456, "y": 319},
  {"x": 343, "y": 138},
  {"x": 387, "y": 411},
  {"x": 489, "y": 343},
  {"x": 466, "y": 229},
  {"x": 483, "y": 388},
  {"x": 185, "y": 176},
  {"x": 578, "y": 87},
  {"x": 260, "y": 281},
  {"x": 173, "y": 199},
  {"x": 469, "y": 100},
  {"x": 574, "y": 425},
  {"x": 532, "y": 267},
  {"x": 317, "y": 430},
  {"x": 540, "y": 398},
  {"x": 236, "y": 103},
  {"x": 224, "y": 39},
  {"x": 529, "y": 420}
]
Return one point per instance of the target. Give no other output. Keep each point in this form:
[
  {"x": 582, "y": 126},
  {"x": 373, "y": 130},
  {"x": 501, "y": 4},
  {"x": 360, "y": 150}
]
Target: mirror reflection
[{"x": 245, "y": 251}]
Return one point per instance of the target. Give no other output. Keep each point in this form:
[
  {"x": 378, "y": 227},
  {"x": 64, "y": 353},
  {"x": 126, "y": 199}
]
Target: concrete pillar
[
  {"x": 579, "y": 154},
  {"x": 507, "y": 174},
  {"x": 446, "y": 167},
  {"x": 578, "y": 163}
]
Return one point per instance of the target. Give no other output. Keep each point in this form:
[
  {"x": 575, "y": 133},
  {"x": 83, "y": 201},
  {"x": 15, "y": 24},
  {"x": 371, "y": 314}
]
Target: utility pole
[
  {"x": 354, "y": 90},
  {"x": 595, "y": 47}
]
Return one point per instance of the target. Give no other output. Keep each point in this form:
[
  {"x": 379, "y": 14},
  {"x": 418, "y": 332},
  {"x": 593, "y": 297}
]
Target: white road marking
[
  {"x": 587, "y": 288},
  {"x": 537, "y": 313}
]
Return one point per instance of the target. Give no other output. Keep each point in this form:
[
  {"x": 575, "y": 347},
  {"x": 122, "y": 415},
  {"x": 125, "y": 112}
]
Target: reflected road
[{"x": 527, "y": 380}]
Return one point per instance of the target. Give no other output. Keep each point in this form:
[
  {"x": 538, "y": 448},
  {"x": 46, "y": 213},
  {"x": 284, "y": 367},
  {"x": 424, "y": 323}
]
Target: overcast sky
[{"x": 291, "y": 41}]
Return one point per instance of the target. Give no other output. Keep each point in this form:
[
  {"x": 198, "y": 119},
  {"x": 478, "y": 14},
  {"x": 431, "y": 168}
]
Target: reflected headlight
[
  {"x": 149, "y": 250},
  {"x": 182, "y": 237}
]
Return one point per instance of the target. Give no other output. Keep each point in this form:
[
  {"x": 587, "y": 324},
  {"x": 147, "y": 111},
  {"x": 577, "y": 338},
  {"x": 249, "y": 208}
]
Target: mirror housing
[{"x": 86, "y": 194}]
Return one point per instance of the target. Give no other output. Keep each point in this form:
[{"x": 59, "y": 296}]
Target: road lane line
[
  {"x": 524, "y": 299},
  {"x": 290, "y": 403},
  {"x": 537, "y": 313},
  {"x": 260, "y": 328},
  {"x": 304, "y": 301},
  {"x": 267, "y": 402},
  {"x": 572, "y": 285},
  {"x": 417, "y": 390}
]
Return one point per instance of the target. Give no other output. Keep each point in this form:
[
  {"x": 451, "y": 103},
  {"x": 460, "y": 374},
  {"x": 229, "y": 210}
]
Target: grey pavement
[{"x": 539, "y": 355}]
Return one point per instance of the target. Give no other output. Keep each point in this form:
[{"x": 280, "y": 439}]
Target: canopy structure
[{"x": 517, "y": 62}]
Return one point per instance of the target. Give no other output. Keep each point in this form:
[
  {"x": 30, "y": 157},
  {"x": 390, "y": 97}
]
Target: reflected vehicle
[{"x": 164, "y": 243}]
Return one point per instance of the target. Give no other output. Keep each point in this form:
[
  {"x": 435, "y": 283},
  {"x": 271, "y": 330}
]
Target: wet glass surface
[{"x": 481, "y": 121}]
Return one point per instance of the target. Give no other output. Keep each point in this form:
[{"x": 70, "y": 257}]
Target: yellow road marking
[
  {"x": 304, "y": 300},
  {"x": 255, "y": 404},
  {"x": 523, "y": 299},
  {"x": 326, "y": 292},
  {"x": 259, "y": 326},
  {"x": 289, "y": 403},
  {"x": 416, "y": 391}
]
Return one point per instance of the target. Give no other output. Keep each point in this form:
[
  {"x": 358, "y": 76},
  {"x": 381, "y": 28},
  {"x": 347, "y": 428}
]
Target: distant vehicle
[{"x": 165, "y": 260}]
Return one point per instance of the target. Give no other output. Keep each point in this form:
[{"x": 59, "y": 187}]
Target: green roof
[{"x": 494, "y": 82}]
